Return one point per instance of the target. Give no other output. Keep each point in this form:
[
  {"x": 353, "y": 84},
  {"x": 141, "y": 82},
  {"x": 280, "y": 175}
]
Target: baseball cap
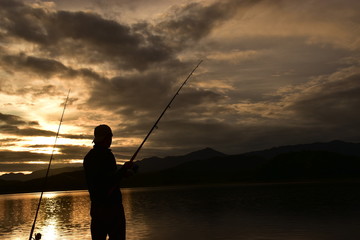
[{"x": 101, "y": 132}]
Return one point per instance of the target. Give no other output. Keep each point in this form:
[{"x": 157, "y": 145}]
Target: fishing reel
[
  {"x": 37, "y": 236},
  {"x": 128, "y": 169},
  {"x": 135, "y": 168}
]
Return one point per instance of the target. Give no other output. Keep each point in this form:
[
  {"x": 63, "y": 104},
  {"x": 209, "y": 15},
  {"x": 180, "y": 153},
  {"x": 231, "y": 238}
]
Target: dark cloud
[
  {"x": 31, "y": 132},
  {"x": 21, "y": 20},
  {"x": 45, "y": 68},
  {"x": 8, "y": 142},
  {"x": 277, "y": 61},
  {"x": 14, "y": 130},
  {"x": 18, "y": 156},
  {"x": 77, "y": 136},
  {"x": 141, "y": 96},
  {"x": 89, "y": 37},
  {"x": 194, "y": 21},
  {"x": 333, "y": 103},
  {"x": 10, "y": 119},
  {"x": 15, "y": 125},
  {"x": 42, "y": 66},
  {"x": 100, "y": 39},
  {"x": 72, "y": 151},
  {"x": 114, "y": 40}
]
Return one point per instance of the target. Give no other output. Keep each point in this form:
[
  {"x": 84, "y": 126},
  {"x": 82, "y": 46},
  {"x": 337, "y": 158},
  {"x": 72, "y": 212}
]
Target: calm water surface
[{"x": 249, "y": 212}]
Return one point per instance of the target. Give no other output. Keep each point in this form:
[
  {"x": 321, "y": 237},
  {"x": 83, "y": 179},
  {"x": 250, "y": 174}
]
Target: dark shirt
[{"x": 101, "y": 173}]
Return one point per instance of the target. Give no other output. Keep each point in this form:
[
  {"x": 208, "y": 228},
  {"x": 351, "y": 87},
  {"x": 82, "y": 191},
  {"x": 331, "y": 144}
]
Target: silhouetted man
[{"x": 102, "y": 177}]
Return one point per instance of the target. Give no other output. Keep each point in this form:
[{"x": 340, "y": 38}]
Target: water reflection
[
  {"x": 135, "y": 225},
  {"x": 63, "y": 215},
  {"x": 212, "y": 213}
]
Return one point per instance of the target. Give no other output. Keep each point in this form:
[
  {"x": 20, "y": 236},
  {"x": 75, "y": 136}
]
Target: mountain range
[
  {"x": 335, "y": 160},
  {"x": 157, "y": 163}
]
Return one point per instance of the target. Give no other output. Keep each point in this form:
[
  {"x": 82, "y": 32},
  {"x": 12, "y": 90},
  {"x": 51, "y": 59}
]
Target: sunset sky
[{"x": 274, "y": 73}]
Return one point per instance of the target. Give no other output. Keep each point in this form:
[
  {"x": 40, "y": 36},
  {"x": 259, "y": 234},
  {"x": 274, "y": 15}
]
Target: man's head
[{"x": 102, "y": 135}]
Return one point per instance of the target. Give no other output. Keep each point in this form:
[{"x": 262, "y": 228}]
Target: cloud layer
[{"x": 275, "y": 72}]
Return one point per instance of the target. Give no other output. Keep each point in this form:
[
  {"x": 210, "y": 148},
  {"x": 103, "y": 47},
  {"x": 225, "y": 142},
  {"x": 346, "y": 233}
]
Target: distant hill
[
  {"x": 65, "y": 181},
  {"x": 37, "y": 174},
  {"x": 214, "y": 170},
  {"x": 333, "y": 161},
  {"x": 156, "y": 163},
  {"x": 286, "y": 167},
  {"x": 336, "y": 146}
]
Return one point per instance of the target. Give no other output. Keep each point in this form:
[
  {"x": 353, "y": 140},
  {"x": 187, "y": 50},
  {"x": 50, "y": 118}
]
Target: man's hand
[
  {"x": 127, "y": 166},
  {"x": 129, "y": 169}
]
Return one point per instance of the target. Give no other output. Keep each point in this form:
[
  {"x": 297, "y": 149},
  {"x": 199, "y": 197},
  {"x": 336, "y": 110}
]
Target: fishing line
[{"x": 38, "y": 235}]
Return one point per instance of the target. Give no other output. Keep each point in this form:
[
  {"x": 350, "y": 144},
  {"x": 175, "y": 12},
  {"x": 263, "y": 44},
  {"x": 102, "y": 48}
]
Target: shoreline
[{"x": 207, "y": 185}]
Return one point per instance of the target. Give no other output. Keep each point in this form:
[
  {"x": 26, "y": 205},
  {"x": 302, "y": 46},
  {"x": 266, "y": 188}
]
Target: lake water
[{"x": 232, "y": 212}]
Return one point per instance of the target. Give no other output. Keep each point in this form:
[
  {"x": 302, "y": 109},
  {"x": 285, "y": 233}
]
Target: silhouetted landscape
[{"x": 335, "y": 161}]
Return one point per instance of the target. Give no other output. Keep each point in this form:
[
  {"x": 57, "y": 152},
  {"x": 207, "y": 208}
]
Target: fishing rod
[
  {"x": 38, "y": 235},
  {"x": 163, "y": 112}
]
